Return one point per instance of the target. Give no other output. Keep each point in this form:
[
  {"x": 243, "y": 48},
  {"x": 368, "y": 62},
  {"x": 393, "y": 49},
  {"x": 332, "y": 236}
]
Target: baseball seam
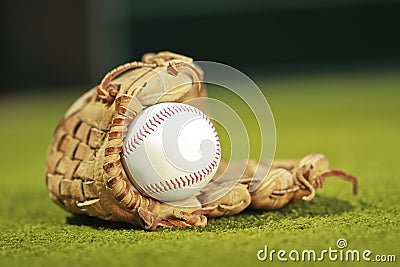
[{"x": 150, "y": 125}]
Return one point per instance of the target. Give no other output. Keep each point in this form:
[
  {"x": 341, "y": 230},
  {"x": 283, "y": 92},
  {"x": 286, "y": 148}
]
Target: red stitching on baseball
[
  {"x": 148, "y": 127},
  {"x": 174, "y": 184},
  {"x": 158, "y": 116},
  {"x": 154, "y": 189},
  {"x": 187, "y": 180},
  {"x": 169, "y": 184},
  {"x": 156, "y": 121},
  {"x": 141, "y": 132},
  {"x": 209, "y": 168},
  {"x": 169, "y": 114},
  {"x": 197, "y": 177},
  {"x": 164, "y": 185},
  {"x": 129, "y": 145},
  {"x": 158, "y": 187},
  {"x": 178, "y": 182},
  {"x": 192, "y": 178},
  {"x": 183, "y": 181},
  {"x": 171, "y": 110},
  {"x": 151, "y": 122}
]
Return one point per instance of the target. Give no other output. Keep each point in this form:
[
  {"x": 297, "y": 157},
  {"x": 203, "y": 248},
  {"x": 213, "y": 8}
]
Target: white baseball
[{"x": 171, "y": 151}]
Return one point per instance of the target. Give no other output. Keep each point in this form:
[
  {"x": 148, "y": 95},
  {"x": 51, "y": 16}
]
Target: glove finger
[
  {"x": 220, "y": 203},
  {"x": 264, "y": 199}
]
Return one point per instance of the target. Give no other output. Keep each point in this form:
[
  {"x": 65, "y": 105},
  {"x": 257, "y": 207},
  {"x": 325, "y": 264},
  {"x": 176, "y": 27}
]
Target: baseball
[{"x": 171, "y": 151}]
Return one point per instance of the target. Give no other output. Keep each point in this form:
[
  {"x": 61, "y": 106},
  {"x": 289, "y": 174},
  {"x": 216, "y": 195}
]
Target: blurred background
[{"x": 54, "y": 43}]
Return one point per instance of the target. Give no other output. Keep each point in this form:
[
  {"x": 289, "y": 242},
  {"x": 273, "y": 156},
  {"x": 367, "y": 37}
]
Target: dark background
[{"x": 54, "y": 43}]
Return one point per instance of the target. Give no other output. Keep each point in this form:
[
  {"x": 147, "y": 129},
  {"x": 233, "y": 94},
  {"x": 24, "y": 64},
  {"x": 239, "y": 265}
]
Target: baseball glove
[{"x": 84, "y": 174}]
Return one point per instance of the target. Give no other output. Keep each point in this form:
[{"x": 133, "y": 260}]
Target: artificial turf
[{"x": 352, "y": 118}]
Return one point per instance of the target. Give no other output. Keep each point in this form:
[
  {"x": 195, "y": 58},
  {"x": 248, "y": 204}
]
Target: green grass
[{"x": 353, "y": 119}]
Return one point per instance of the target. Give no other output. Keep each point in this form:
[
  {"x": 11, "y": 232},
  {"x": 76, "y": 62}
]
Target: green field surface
[{"x": 353, "y": 118}]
